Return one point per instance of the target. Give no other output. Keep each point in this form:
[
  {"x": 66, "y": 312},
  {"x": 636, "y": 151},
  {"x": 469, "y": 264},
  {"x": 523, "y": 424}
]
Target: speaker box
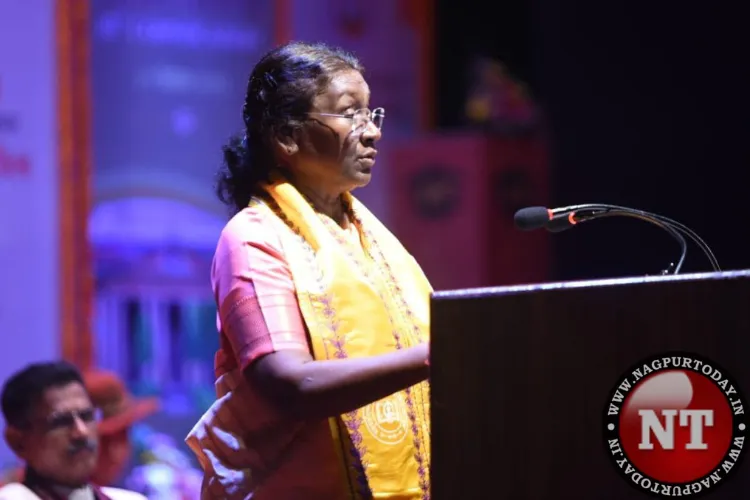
[{"x": 453, "y": 200}]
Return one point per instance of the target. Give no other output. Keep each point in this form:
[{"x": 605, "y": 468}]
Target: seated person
[{"x": 51, "y": 424}]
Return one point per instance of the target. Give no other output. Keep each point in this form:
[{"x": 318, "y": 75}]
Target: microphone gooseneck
[{"x": 560, "y": 219}]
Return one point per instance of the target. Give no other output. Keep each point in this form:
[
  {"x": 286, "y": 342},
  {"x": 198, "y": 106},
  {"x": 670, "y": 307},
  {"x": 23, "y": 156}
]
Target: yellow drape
[{"x": 363, "y": 300}]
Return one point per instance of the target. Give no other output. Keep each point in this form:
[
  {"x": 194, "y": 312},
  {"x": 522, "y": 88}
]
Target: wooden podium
[{"x": 521, "y": 376}]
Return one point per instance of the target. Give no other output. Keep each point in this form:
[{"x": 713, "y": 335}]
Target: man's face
[{"x": 60, "y": 442}]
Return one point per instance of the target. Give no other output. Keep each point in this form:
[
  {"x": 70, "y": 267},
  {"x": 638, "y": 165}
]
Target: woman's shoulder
[{"x": 256, "y": 225}]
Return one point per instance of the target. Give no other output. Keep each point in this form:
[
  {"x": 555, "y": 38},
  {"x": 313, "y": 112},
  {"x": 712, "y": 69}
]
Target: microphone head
[{"x": 530, "y": 218}]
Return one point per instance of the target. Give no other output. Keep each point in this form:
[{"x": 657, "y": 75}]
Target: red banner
[{"x": 453, "y": 204}]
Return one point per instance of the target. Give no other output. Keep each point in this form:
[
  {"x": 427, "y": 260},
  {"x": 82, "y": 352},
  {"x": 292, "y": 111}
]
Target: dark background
[{"x": 646, "y": 106}]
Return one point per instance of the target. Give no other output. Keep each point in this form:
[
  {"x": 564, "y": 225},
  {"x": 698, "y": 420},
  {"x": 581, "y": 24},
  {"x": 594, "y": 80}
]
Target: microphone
[{"x": 560, "y": 219}]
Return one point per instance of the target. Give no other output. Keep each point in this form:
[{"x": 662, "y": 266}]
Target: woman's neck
[{"x": 329, "y": 204}]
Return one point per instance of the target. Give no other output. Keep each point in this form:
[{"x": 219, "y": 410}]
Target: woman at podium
[{"x": 322, "y": 314}]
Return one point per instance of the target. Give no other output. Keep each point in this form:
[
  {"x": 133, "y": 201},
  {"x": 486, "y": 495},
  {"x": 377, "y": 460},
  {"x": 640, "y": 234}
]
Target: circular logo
[
  {"x": 387, "y": 419},
  {"x": 435, "y": 191},
  {"x": 675, "y": 425}
]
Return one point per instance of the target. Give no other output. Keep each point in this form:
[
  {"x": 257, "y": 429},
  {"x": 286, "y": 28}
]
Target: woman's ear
[{"x": 286, "y": 142}]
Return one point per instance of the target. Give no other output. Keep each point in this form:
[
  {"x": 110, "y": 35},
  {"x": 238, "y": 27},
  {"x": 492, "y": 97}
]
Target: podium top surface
[{"x": 472, "y": 293}]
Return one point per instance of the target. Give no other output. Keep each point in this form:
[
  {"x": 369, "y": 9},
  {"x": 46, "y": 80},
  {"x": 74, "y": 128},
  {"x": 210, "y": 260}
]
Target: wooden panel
[{"x": 521, "y": 376}]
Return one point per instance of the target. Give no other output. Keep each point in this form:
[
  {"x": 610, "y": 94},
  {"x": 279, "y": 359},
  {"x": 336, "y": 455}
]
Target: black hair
[
  {"x": 25, "y": 388},
  {"x": 279, "y": 95}
]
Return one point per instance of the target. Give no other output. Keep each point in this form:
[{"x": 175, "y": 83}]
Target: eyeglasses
[
  {"x": 360, "y": 118},
  {"x": 66, "y": 420}
]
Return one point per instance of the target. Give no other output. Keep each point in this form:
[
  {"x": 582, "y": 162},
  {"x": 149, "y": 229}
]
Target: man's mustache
[{"x": 82, "y": 445}]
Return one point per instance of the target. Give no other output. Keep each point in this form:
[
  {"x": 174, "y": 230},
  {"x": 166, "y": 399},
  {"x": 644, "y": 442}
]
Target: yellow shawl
[{"x": 363, "y": 300}]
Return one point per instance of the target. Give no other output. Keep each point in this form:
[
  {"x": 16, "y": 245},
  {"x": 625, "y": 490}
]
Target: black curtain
[{"x": 647, "y": 106}]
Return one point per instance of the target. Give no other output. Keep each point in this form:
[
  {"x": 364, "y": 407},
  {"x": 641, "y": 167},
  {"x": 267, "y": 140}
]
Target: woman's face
[{"x": 331, "y": 154}]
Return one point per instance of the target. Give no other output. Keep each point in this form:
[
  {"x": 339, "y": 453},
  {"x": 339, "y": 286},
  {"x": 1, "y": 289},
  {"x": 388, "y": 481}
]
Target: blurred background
[{"x": 113, "y": 112}]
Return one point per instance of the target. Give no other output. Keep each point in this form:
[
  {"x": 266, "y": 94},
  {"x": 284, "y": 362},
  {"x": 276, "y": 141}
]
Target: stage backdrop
[
  {"x": 169, "y": 81},
  {"x": 29, "y": 237}
]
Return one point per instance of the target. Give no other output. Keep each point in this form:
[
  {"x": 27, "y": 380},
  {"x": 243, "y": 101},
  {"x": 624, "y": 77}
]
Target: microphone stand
[
  {"x": 671, "y": 268},
  {"x": 671, "y": 226}
]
